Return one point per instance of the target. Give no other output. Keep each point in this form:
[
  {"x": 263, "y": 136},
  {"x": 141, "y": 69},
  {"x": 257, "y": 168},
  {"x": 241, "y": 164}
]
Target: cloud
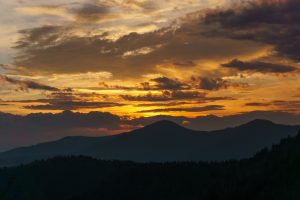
[
  {"x": 3, "y": 103},
  {"x": 166, "y": 96},
  {"x": 215, "y": 83},
  {"x": 106, "y": 37},
  {"x": 17, "y": 130},
  {"x": 257, "y": 66},
  {"x": 69, "y": 100},
  {"x": 187, "y": 109},
  {"x": 35, "y": 38},
  {"x": 63, "y": 120},
  {"x": 272, "y": 22},
  {"x": 163, "y": 104},
  {"x": 165, "y": 83},
  {"x": 91, "y": 13},
  {"x": 169, "y": 88},
  {"x": 257, "y": 104},
  {"x": 184, "y": 63},
  {"x": 207, "y": 83},
  {"x": 287, "y": 105},
  {"x": 57, "y": 49},
  {"x": 146, "y": 5},
  {"x": 284, "y": 105},
  {"x": 159, "y": 83},
  {"x": 72, "y": 105},
  {"x": 85, "y": 13},
  {"x": 44, "y": 10},
  {"x": 27, "y": 84}
]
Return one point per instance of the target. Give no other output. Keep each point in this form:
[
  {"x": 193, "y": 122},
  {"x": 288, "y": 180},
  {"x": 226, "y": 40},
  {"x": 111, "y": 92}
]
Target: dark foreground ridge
[
  {"x": 163, "y": 141},
  {"x": 271, "y": 174}
]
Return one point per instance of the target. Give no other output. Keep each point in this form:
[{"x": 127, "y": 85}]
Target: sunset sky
[{"x": 139, "y": 58}]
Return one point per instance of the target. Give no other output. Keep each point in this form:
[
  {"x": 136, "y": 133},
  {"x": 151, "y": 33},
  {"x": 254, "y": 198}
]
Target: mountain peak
[
  {"x": 259, "y": 122},
  {"x": 262, "y": 121},
  {"x": 164, "y": 122},
  {"x": 164, "y": 125}
]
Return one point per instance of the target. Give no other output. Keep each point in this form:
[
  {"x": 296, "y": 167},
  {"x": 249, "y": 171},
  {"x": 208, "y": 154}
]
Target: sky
[{"x": 143, "y": 58}]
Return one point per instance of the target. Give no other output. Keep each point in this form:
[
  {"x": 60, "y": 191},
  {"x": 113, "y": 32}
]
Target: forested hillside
[{"x": 270, "y": 174}]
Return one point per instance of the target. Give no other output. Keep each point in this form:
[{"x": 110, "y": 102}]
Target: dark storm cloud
[
  {"x": 272, "y": 22},
  {"x": 189, "y": 109},
  {"x": 257, "y": 66},
  {"x": 27, "y": 84}
]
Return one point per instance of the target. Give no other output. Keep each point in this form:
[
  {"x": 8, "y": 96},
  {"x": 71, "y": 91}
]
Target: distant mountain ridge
[
  {"x": 272, "y": 174},
  {"x": 35, "y": 128},
  {"x": 160, "y": 142}
]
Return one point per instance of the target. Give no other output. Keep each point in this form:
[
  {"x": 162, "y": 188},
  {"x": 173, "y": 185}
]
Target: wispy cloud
[
  {"x": 27, "y": 84},
  {"x": 257, "y": 66},
  {"x": 185, "y": 109}
]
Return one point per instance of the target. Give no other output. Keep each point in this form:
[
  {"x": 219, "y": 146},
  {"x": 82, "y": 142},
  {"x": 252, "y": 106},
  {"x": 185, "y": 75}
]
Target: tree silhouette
[{"x": 271, "y": 174}]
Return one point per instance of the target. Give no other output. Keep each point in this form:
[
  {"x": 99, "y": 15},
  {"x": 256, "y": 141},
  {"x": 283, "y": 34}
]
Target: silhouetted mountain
[
  {"x": 161, "y": 141},
  {"x": 163, "y": 125},
  {"x": 271, "y": 174},
  {"x": 35, "y": 128}
]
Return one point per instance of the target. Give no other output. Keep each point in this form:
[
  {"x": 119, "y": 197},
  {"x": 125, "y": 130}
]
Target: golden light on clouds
[
  {"x": 45, "y": 10},
  {"x": 146, "y": 58}
]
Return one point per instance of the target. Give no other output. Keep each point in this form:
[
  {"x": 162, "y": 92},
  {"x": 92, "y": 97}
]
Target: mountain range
[
  {"x": 272, "y": 174},
  {"x": 162, "y": 141}
]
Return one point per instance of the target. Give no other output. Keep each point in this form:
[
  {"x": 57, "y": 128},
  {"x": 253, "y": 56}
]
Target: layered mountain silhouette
[
  {"x": 160, "y": 142},
  {"x": 270, "y": 174}
]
